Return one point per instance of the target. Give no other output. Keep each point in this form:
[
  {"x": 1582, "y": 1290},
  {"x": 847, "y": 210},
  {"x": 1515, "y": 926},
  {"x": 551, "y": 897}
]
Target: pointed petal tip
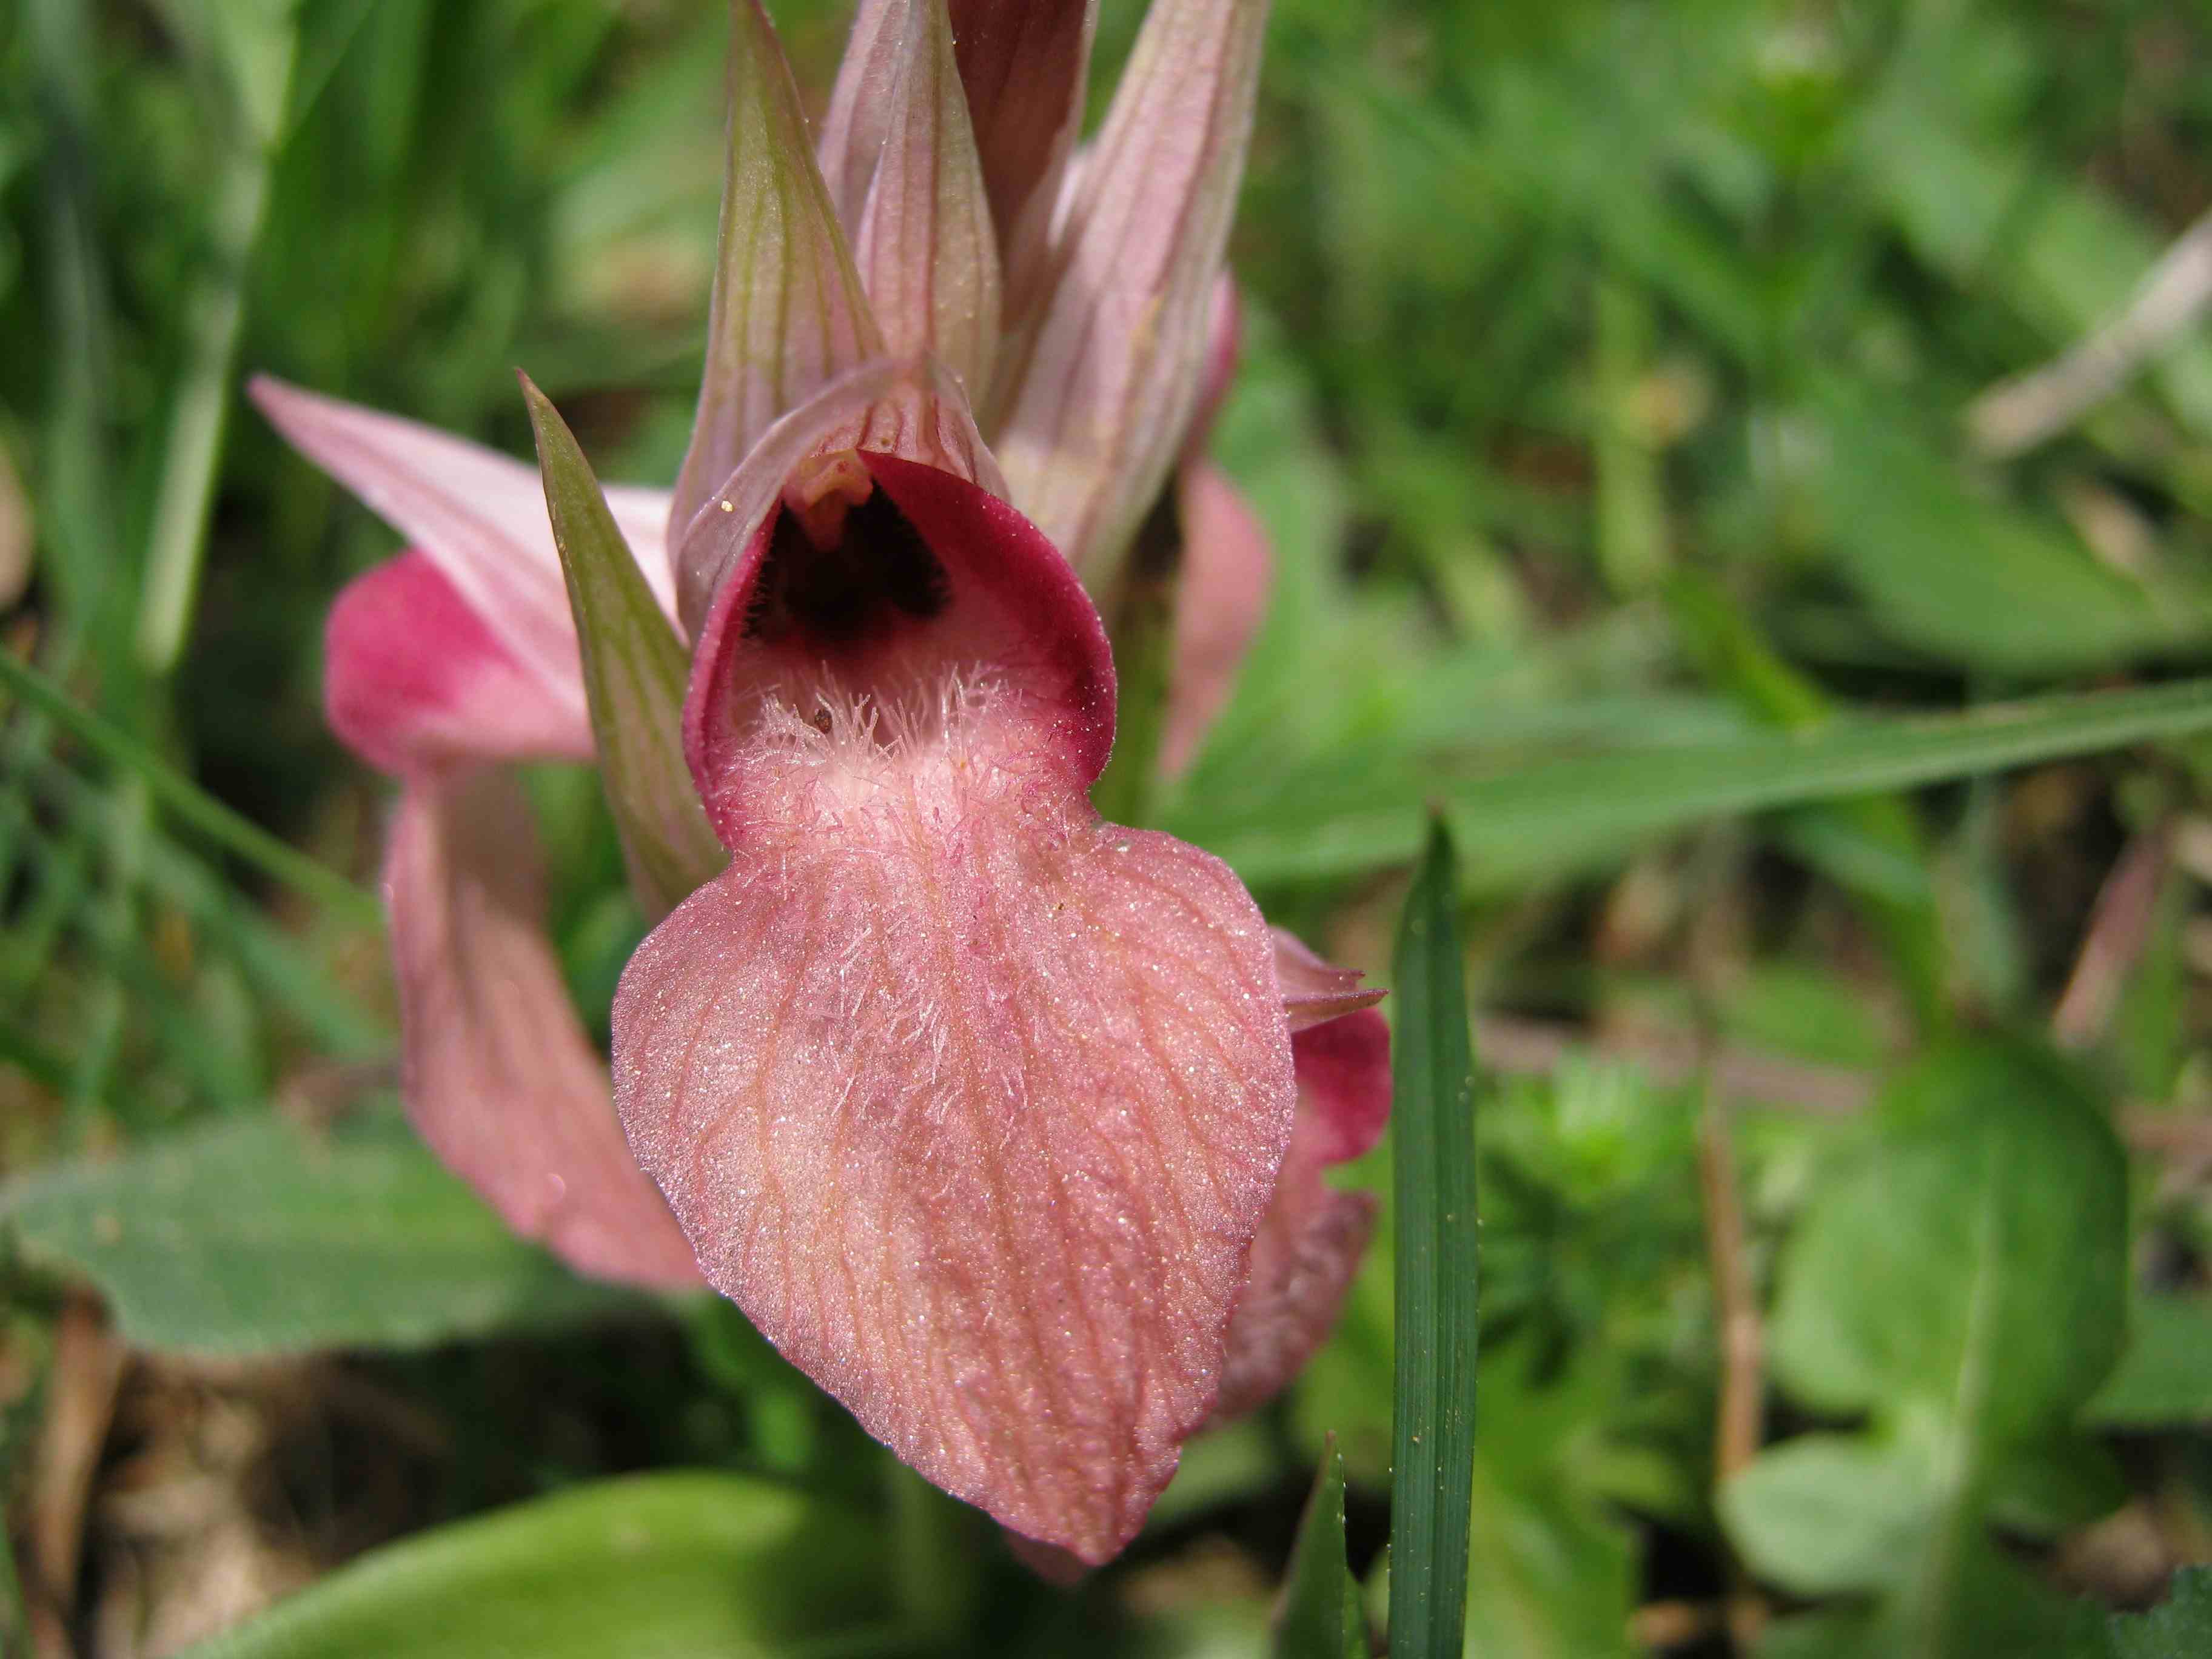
[{"x": 497, "y": 1073}]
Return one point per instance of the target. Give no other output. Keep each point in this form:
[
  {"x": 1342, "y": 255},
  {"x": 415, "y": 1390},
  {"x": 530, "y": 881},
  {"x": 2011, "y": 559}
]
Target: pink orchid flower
[{"x": 1005, "y": 1124}]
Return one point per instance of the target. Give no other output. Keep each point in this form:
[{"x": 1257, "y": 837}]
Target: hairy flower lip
[
  {"x": 936, "y": 1073},
  {"x": 1011, "y": 605}
]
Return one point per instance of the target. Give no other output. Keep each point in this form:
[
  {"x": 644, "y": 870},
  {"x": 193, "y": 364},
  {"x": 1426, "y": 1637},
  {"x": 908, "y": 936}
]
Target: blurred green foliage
[{"x": 1604, "y": 398}]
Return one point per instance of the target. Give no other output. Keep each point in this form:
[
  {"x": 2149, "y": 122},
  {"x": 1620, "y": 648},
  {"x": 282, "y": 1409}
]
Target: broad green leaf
[
  {"x": 1962, "y": 1284},
  {"x": 635, "y": 671},
  {"x": 1560, "y": 814},
  {"x": 2054, "y": 1484},
  {"x": 1436, "y": 1244},
  {"x": 2164, "y": 1377},
  {"x": 655, "y": 1566},
  {"x": 2071, "y": 262},
  {"x": 2179, "y": 1627},
  {"x": 253, "y": 1237},
  {"x": 1975, "y": 1266},
  {"x": 1319, "y": 1616},
  {"x": 1828, "y": 1513},
  {"x": 1970, "y": 579}
]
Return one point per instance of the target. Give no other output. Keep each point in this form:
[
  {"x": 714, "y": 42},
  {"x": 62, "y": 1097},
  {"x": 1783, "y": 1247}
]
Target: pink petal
[
  {"x": 498, "y": 1075},
  {"x": 1225, "y": 341},
  {"x": 1303, "y": 1260},
  {"x": 1001, "y": 602},
  {"x": 972, "y": 1102},
  {"x": 789, "y": 314},
  {"x": 1308, "y": 1249},
  {"x": 1096, "y": 397},
  {"x": 414, "y": 678},
  {"x": 476, "y": 514},
  {"x": 859, "y": 116},
  {"x": 1313, "y": 990},
  {"x": 1344, "y": 1084},
  {"x": 1220, "y": 597},
  {"x": 924, "y": 244},
  {"x": 1023, "y": 64}
]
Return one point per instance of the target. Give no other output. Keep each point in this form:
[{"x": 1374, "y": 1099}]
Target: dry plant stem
[
  {"x": 2021, "y": 413},
  {"x": 87, "y": 1369},
  {"x": 2119, "y": 928},
  {"x": 1511, "y": 1042},
  {"x": 1739, "y": 1419}
]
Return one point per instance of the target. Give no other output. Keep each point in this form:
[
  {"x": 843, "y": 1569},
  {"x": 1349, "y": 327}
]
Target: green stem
[
  {"x": 186, "y": 800},
  {"x": 213, "y": 312}
]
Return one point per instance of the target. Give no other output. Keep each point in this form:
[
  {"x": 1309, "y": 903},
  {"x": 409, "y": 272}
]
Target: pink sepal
[
  {"x": 923, "y": 241},
  {"x": 1023, "y": 64},
  {"x": 413, "y": 678},
  {"x": 1308, "y": 1248},
  {"x": 787, "y": 315},
  {"x": 1095, "y": 395},
  {"x": 497, "y": 1073},
  {"x": 476, "y": 515}
]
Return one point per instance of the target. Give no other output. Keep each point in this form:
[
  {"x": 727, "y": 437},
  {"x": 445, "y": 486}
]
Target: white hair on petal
[{"x": 819, "y": 751}]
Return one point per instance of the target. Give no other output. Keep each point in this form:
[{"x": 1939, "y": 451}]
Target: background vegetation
[{"x": 1846, "y": 1156}]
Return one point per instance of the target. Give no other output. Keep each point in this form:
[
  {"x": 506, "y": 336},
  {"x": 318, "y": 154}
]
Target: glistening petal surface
[
  {"x": 496, "y": 1070},
  {"x": 973, "y": 1105},
  {"x": 1308, "y": 1247}
]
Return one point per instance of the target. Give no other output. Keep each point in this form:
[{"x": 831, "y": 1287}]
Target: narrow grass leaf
[
  {"x": 1433, "y": 1171},
  {"x": 1319, "y": 1617},
  {"x": 1562, "y": 814},
  {"x": 186, "y": 800}
]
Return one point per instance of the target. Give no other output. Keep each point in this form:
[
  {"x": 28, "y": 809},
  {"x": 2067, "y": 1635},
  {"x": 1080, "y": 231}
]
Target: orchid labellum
[{"x": 1004, "y": 1123}]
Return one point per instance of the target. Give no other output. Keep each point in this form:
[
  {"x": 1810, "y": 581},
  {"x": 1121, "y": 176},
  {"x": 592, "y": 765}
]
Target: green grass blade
[
  {"x": 1559, "y": 814},
  {"x": 187, "y": 800},
  {"x": 1318, "y": 1618},
  {"x": 1432, "y": 1173}
]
